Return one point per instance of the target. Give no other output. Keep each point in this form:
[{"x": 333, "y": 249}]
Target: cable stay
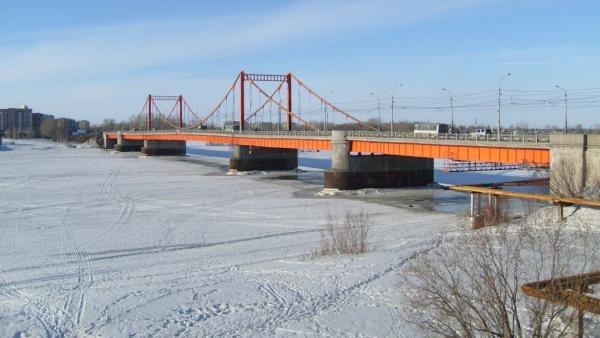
[
  {"x": 300, "y": 83},
  {"x": 267, "y": 101},
  {"x": 231, "y": 88},
  {"x": 281, "y": 107}
]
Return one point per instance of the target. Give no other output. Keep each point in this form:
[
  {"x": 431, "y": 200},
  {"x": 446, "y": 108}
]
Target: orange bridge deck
[{"x": 521, "y": 151}]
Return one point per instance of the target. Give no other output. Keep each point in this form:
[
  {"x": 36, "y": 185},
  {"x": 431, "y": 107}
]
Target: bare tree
[
  {"x": 469, "y": 285},
  {"x": 567, "y": 180},
  {"x": 592, "y": 189},
  {"x": 349, "y": 236}
]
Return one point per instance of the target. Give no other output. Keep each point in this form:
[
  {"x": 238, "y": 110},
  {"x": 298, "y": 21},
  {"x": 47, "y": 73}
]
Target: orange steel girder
[
  {"x": 460, "y": 152},
  {"x": 473, "y": 153},
  {"x": 271, "y": 142}
]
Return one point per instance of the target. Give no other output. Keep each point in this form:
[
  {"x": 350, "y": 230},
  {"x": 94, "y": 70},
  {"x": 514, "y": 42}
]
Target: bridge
[{"x": 367, "y": 158}]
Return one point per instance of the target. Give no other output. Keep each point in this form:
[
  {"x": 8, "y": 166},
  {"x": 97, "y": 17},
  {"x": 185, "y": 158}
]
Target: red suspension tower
[
  {"x": 266, "y": 78},
  {"x": 150, "y": 103}
]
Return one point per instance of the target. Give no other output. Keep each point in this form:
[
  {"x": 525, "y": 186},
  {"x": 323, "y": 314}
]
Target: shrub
[
  {"x": 349, "y": 236},
  {"x": 468, "y": 286}
]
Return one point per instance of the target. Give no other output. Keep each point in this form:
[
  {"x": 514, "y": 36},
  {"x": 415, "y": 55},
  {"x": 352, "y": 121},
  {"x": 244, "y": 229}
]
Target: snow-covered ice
[
  {"x": 113, "y": 245},
  {"x": 116, "y": 245}
]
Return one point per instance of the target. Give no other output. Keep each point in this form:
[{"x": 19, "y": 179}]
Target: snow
[
  {"x": 96, "y": 243},
  {"x": 112, "y": 245}
]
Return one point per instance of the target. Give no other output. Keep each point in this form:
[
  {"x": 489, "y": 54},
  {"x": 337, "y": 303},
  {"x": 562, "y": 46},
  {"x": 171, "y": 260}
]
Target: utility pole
[
  {"x": 392, "y": 120},
  {"x": 566, "y": 106},
  {"x": 451, "y": 110},
  {"x": 325, "y": 109},
  {"x": 379, "y": 109},
  {"x": 499, "y": 102}
]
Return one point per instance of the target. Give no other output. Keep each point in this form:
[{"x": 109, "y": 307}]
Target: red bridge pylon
[{"x": 253, "y": 108}]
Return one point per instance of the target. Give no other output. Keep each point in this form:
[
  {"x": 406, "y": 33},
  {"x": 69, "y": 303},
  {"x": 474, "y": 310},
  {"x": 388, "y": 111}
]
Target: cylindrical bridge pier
[{"x": 356, "y": 171}]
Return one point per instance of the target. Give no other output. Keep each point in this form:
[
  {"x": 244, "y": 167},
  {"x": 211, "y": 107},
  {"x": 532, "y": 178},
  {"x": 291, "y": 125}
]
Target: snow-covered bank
[{"x": 116, "y": 245}]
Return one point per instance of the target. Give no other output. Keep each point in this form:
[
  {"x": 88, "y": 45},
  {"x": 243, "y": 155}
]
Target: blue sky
[{"x": 97, "y": 59}]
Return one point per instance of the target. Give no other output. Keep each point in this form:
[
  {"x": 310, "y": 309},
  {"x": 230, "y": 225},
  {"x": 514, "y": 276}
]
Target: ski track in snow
[
  {"x": 56, "y": 322},
  {"x": 158, "y": 247},
  {"x": 75, "y": 301},
  {"x": 277, "y": 309}
]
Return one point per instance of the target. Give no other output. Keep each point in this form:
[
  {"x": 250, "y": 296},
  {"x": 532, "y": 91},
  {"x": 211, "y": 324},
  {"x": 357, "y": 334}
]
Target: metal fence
[
  {"x": 525, "y": 138},
  {"x": 515, "y": 138}
]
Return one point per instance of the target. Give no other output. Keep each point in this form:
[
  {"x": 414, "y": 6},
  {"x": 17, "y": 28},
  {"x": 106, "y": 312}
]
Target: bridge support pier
[
  {"x": 351, "y": 172},
  {"x": 574, "y": 164},
  {"x": 108, "y": 142},
  {"x": 248, "y": 158},
  {"x": 163, "y": 148},
  {"x": 124, "y": 145}
]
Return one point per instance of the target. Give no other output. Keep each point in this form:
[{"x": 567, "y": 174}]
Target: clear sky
[{"x": 97, "y": 59}]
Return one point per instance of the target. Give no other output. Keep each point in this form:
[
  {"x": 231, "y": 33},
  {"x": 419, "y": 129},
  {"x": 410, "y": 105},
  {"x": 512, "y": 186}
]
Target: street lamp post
[
  {"x": 379, "y": 109},
  {"x": 566, "y": 106},
  {"x": 499, "y": 102},
  {"x": 451, "y": 110},
  {"x": 392, "y": 120},
  {"x": 325, "y": 110}
]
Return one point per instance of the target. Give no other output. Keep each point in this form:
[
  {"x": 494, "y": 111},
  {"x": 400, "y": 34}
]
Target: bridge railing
[
  {"x": 514, "y": 138},
  {"x": 325, "y": 134}
]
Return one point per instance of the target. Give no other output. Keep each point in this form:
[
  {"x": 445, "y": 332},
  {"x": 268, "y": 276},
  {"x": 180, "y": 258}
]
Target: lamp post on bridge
[
  {"x": 499, "y": 102},
  {"x": 325, "y": 110},
  {"x": 451, "y": 110},
  {"x": 392, "y": 120},
  {"x": 379, "y": 109},
  {"x": 566, "y": 105}
]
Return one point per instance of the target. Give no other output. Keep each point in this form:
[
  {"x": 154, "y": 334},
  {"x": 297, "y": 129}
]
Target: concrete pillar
[
  {"x": 340, "y": 151},
  {"x": 162, "y": 148},
  {"x": 350, "y": 172},
  {"x": 247, "y": 158},
  {"x": 592, "y": 162},
  {"x": 108, "y": 143},
  {"x": 127, "y": 145},
  {"x": 568, "y": 162},
  {"x": 475, "y": 218}
]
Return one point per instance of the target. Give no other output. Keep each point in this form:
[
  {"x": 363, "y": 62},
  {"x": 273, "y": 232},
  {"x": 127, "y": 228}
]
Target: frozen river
[{"x": 112, "y": 245}]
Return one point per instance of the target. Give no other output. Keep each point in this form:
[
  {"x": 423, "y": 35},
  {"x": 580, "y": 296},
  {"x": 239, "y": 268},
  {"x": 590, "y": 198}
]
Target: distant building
[
  {"x": 36, "y": 123},
  {"x": 83, "y": 127},
  {"x": 16, "y": 122},
  {"x": 64, "y": 128},
  {"x": 84, "y": 124},
  {"x": 36, "y": 120},
  {"x": 48, "y": 127}
]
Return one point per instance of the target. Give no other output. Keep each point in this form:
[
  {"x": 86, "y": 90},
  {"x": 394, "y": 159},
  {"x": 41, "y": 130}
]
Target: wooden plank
[{"x": 522, "y": 195}]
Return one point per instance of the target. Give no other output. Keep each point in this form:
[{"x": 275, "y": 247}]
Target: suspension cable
[
  {"x": 278, "y": 88},
  {"x": 231, "y": 88},
  {"x": 283, "y": 108},
  {"x": 300, "y": 83}
]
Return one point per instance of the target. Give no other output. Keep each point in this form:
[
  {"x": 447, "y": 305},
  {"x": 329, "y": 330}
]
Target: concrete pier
[
  {"x": 351, "y": 172},
  {"x": 592, "y": 160},
  {"x": 247, "y": 158},
  {"x": 567, "y": 162},
  {"x": 164, "y": 148},
  {"x": 108, "y": 143},
  {"x": 574, "y": 163},
  {"x": 124, "y": 145}
]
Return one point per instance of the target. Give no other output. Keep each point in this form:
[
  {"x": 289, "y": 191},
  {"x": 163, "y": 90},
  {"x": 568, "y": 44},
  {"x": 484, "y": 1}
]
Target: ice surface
[
  {"x": 112, "y": 245},
  {"x": 96, "y": 243}
]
